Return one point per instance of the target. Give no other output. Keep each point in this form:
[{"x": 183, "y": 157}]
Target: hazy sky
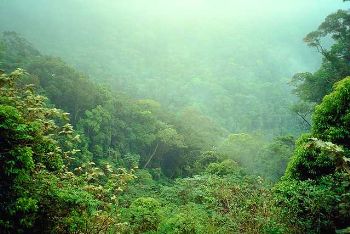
[
  {"x": 39, "y": 20},
  {"x": 123, "y": 31}
]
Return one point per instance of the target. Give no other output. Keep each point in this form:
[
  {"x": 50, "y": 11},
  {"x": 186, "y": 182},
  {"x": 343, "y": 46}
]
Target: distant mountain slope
[{"x": 230, "y": 61}]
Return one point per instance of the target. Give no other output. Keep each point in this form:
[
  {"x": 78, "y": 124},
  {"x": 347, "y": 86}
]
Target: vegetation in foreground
[{"x": 90, "y": 160}]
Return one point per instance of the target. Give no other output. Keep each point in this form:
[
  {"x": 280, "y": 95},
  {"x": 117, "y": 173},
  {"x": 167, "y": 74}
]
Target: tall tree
[{"x": 314, "y": 192}]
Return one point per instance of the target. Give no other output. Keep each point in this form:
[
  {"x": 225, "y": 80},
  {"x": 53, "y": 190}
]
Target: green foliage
[
  {"x": 310, "y": 206},
  {"x": 232, "y": 203},
  {"x": 311, "y": 188},
  {"x": 312, "y": 87},
  {"x": 113, "y": 127},
  {"x": 335, "y": 66},
  {"x": 27, "y": 140},
  {"x": 15, "y": 51},
  {"x": 49, "y": 186},
  {"x": 314, "y": 191},
  {"x": 274, "y": 157},
  {"x": 188, "y": 219},
  {"x": 131, "y": 161},
  {"x": 242, "y": 148},
  {"x": 60, "y": 83},
  {"x": 257, "y": 155},
  {"x": 199, "y": 131},
  {"x": 304, "y": 110},
  {"x": 225, "y": 167},
  {"x": 144, "y": 215},
  {"x": 332, "y": 116},
  {"x": 120, "y": 129},
  {"x": 154, "y": 59},
  {"x": 309, "y": 161},
  {"x": 206, "y": 158},
  {"x": 38, "y": 192}
]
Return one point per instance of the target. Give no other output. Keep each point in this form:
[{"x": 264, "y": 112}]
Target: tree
[
  {"x": 38, "y": 191},
  {"x": 28, "y": 142},
  {"x": 318, "y": 171},
  {"x": 144, "y": 215},
  {"x": 332, "y": 117},
  {"x": 312, "y": 87}
]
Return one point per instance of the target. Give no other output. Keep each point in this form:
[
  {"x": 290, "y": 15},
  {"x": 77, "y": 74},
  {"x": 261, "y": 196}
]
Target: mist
[
  {"x": 182, "y": 53},
  {"x": 174, "y": 116}
]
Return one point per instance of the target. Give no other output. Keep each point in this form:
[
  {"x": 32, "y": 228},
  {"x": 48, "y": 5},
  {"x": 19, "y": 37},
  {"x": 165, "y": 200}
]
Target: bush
[
  {"x": 144, "y": 215},
  {"x": 226, "y": 167},
  {"x": 189, "y": 219}
]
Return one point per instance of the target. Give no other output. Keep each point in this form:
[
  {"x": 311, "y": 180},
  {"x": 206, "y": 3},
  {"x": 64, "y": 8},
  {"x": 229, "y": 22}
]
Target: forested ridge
[{"x": 87, "y": 154}]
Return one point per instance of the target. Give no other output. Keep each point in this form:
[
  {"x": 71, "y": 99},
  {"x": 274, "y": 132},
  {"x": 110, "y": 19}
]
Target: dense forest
[{"x": 194, "y": 116}]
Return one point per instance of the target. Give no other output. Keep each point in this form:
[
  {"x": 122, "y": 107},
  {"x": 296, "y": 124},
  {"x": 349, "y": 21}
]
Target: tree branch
[
  {"x": 152, "y": 155},
  {"x": 305, "y": 120}
]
